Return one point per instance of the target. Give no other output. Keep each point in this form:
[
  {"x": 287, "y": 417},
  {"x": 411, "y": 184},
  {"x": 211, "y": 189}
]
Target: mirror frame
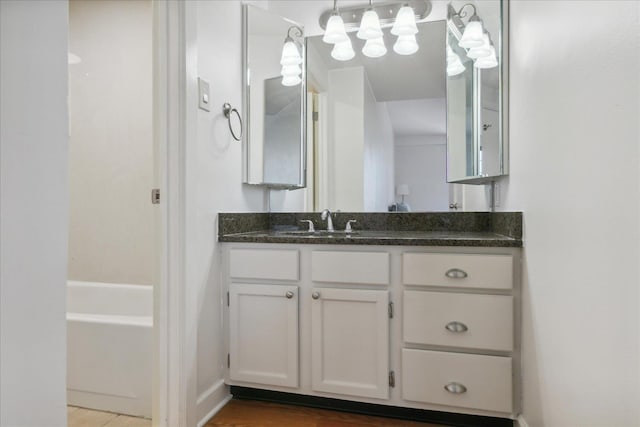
[
  {"x": 246, "y": 107},
  {"x": 503, "y": 42}
]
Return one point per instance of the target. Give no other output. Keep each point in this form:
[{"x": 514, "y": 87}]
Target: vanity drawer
[
  {"x": 459, "y": 270},
  {"x": 370, "y": 268},
  {"x": 458, "y": 320},
  {"x": 264, "y": 264},
  {"x": 455, "y": 379}
]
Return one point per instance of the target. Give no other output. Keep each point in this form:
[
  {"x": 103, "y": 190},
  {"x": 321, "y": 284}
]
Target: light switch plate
[{"x": 203, "y": 95}]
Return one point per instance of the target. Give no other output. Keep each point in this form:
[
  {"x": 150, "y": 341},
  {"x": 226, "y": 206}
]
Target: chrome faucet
[{"x": 326, "y": 214}]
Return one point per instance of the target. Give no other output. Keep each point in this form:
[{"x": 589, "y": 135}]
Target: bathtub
[{"x": 109, "y": 347}]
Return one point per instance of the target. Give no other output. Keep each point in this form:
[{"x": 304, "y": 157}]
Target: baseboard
[
  {"x": 211, "y": 401},
  {"x": 521, "y": 421}
]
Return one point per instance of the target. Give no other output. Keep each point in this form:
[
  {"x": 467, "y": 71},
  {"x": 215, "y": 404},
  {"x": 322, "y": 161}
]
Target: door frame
[{"x": 172, "y": 349}]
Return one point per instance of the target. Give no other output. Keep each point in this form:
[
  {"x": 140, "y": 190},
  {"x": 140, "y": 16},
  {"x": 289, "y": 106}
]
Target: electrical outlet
[
  {"x": 203, "y": 95},
  {"x": 496, "y": 194}
]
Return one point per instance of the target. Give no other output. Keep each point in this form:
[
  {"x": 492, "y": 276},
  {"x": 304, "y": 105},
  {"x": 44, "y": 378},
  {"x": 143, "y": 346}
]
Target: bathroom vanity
[{"x": 421, "y": 313}]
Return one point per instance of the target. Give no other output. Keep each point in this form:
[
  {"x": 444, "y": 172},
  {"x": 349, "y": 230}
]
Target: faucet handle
[
  {"x": 311, "y": 227},
  {"x": 348, "y": 227}
]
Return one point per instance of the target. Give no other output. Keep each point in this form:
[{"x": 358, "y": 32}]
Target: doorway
[{"x": 113, "y": 232}]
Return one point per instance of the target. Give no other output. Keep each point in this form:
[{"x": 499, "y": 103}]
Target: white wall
[
  {"x": 346, "y": 139},
  {"x": 421, "y": 163},
  {"x": 33, "y": 212},
  {"x": 378, "y": 187},
  {"x": 574, "y": 141},
  {"x": 214, "y": 184},
  {"x": 111, "y": 234}
]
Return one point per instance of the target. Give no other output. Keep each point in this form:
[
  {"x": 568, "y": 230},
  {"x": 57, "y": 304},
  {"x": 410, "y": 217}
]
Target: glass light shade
[
  {"x": 405, "y": 23},
  {"x": 290, "y": 54},
  {"x": 481, "y": 51},
  {"x": 490, "y": 61},
  {"x": 291, "y": 70},
  {"x": 406, "y": 45},
  {"x": 291, "y": 80},
  {"x": 472, "y": 36},
  {"x": 455, "y": 67},
  {"x": 343, "y": 51},
  {"x": 374, "y": 48},
  {"x": 369, "y": 26},
  {"x": 335, "y": 32}
]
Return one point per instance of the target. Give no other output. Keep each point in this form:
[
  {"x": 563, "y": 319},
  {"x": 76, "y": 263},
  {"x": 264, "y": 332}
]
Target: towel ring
[{"x": 227, "y": 110}]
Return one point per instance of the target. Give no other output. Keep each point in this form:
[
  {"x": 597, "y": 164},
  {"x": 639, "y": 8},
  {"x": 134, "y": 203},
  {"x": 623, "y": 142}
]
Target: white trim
[
  {"x": 169, "y": 379},
  {"x": 217, "y": 396},
  {"x": 521, "y": 421}
]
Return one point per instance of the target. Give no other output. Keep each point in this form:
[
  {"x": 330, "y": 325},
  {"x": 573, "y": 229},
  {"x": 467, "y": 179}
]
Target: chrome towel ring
[{"x": 228, "y": 110}]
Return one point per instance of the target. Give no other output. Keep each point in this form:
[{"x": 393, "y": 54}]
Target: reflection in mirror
[
  {"x": 477, "y": 147},
  {"x": 274, "y": 93},
  {"x": 379, "y": 133}
]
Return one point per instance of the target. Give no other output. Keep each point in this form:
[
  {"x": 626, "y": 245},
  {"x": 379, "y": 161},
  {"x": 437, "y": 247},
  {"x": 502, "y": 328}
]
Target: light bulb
[
  {"x": 406, "y": 45},
  {"x": 481, "y": 51},
  {"x": 369, "y": 26},
  {"x": 405, "y": 24},
  {"x": 291, "y": 80},
  {"x": 374, "y": 48},
  {"x": 291, "y": 70},
  {"x": 343, "y": 51},
  {"x": 489, "y": 61},
  {"x": 290, "y": 54},
  {"x": 472, "y": 36},
  {"x": 335, "y": 32}
]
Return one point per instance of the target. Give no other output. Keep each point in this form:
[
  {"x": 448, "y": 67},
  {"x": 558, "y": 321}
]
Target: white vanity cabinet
[
  {"x": 350, "y": 342},
  {"x": 420, "y": 327},
  {"x": 458, "y": 330}
]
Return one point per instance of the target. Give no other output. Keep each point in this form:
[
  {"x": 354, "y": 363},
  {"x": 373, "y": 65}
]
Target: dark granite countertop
[{"x": 481, "y": 229}]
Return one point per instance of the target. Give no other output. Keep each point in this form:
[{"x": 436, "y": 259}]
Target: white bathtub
[{"x": 109, "y": 347}]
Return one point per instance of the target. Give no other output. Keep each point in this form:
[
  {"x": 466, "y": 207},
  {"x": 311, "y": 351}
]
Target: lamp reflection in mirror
[
  {"x": 489, "y": 61},
  {"x": 291, "y": 58},
  {"x": 454, "y": 63}
]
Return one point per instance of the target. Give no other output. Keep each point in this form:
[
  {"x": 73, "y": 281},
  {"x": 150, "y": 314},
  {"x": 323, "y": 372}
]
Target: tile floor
[{"x": 80, "y": 417}]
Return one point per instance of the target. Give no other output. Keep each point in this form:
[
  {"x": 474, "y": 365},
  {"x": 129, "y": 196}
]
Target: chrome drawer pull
[
  {"x": 456, "y": 327},
  {"x": 455, "y": 388},
  {"x": 456, "y": 273},
  {"x": 289, "y": 294},
  {"x": 315, "y": 295}
]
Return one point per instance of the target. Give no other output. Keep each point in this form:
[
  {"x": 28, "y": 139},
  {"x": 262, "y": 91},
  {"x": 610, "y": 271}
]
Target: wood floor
[
  {"x": 248, "y": 413},
  {"x": 80, "y": 417}
]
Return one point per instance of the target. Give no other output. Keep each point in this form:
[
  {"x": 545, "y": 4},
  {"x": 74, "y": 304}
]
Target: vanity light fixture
[
  {"x": 291, "y": 59},
  {"x": 335, "y": 31},
  {"x": 343, "y": 51},
  {"x": 370, "y": 25},
  {"x": 472, "y": 37},
  {"x": 374, "y": 48},
  {"x": 368, "y": 21}
]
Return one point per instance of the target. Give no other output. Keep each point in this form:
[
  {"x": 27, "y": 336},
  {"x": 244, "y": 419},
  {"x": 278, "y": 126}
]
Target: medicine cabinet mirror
[{"x": 274, "y": 108}]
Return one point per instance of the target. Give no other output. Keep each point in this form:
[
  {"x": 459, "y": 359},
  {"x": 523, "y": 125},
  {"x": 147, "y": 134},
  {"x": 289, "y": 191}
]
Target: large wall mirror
[
  {"x": 274, "y": 100},
  {"x": 393, "y": 132}
]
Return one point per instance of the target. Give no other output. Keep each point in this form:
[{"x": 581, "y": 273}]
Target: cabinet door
[
  {"x": 264, "y": 334},
  {"x": 350, "y": 342}
]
